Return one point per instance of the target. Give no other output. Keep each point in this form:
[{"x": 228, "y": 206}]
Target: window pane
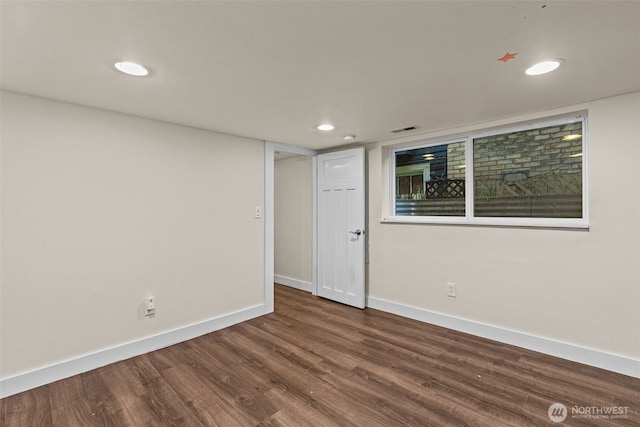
[
  {"x": 535, "y": 173},
  {"x": 430, "y": 181}
]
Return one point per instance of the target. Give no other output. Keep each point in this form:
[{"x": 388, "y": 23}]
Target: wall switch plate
[
  {"x": 258, "y": 212},
  {"x": 451, "y": 290},
  {"x": 149, "y": 306}
]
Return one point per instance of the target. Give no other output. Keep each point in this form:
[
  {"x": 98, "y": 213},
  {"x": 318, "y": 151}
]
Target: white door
[{"x": 341, "y": 240}]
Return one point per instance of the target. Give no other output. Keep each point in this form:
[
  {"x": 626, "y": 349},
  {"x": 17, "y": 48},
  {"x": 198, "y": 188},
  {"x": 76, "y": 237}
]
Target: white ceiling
[{"x": 274, "y": 70}]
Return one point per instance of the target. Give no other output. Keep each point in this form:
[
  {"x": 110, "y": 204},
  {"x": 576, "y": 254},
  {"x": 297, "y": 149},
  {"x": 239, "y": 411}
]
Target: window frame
[{"x": 469, "y": 218}]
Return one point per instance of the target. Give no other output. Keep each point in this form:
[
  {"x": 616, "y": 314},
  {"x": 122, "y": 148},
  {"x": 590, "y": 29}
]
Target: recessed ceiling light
[
  {"x": 544, "y": 67},
  {"x": 132, "y": 68},
  {"x": 350, "y": 138},
  {"x": 325, "y": 126}
]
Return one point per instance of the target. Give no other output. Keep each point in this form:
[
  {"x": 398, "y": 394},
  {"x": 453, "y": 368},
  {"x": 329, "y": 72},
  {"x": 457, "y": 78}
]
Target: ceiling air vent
[{"x": 406, "y": 129}]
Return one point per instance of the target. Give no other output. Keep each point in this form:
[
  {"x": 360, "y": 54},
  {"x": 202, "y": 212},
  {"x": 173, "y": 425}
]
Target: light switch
[{"x": 149, "y": 306}]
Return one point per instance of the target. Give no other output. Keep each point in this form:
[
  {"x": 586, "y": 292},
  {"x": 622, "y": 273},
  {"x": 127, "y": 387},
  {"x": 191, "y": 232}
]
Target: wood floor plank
[
  {"x": 27, "y": 409},
  {"x": 318, "y": 363},
  {"x": 97, "y": 407},
  {"x": 310, "y": 389},
  {"x": 210, "y": 407},
  {"x": 297, "y": 412}
]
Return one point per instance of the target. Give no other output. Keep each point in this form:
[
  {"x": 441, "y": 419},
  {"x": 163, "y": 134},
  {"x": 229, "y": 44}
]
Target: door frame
[{"x": 270, "y": 149}]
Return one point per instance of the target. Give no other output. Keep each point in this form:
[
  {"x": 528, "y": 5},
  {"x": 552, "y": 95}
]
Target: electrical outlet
[
  {"x": 149, "y": 306},
  {"x": 451, "y": 290},
  {"x": 257, "y": 214}
]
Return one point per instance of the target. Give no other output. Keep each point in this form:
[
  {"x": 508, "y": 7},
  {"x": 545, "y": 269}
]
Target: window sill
[{"x": 551, "y": 223}]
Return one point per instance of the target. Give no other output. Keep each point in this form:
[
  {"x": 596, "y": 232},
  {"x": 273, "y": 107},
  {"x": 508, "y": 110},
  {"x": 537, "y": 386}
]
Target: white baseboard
[
  {"x": 48, "y": 374},
  {"x": 611, "y": 362},
  {"x": 294, "y": 283},
  {"x": 45, "y": 375}
]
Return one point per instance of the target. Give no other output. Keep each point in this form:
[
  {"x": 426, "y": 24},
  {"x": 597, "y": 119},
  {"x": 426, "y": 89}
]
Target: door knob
[{"x": 357, "y": 232}]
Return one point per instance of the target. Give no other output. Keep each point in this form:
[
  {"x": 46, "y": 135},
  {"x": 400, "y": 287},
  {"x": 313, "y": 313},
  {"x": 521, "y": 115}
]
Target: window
[
  {"x": 430, "y": 180},
  {"x": 529, "y": 175},
  {"x": 534, "y": 173}
]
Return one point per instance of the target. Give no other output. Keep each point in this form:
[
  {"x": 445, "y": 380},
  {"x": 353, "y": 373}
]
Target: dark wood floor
[{"x": 318, "y": 363}]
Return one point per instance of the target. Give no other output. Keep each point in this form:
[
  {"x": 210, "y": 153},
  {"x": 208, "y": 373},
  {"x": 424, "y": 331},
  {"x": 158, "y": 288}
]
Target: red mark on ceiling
[{"x": 507, "y": 57}]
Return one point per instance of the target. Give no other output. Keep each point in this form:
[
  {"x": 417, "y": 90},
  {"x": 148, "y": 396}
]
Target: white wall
[
  {"x": 293, "y": 218},
  {"x": 575, "y": 287},
  {"x": 101, "y": 209}
]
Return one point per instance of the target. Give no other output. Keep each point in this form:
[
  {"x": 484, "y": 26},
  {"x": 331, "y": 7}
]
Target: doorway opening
[
  {"x": 293, "y": 233},
  {"x": 282, "y": 152}
]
